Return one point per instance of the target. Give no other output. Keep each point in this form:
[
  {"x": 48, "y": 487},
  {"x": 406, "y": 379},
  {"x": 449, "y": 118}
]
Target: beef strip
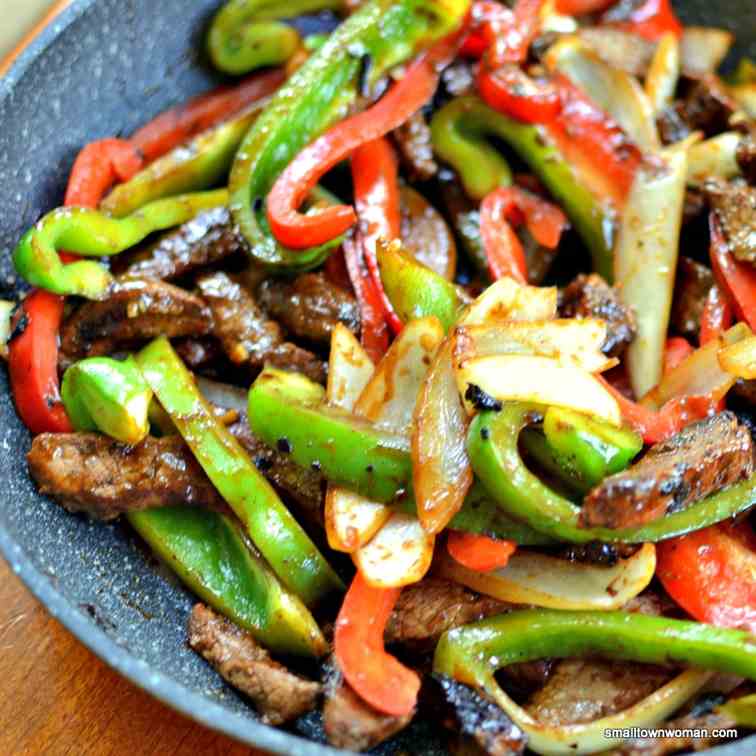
[
  {"x": 351, "y": 723},
  {"x": 589, "y": 296},
  {"x": 692, "y": 285},
  {"x": 200, "y": 353},
  {"x": 482, "y": 720},
  {"x": 666, "y": 745},
  {"x": 735, "y": 206},
  {"x": 701, "y": 459},
  {"x": 89, "y": 472},
  {"x": 310, "y": 306},
  {"x": 136, "y": 310},
  {"x": 746, "y": 157},
  {"x": 247, "y": 336},
  {"x": 428, "y": 609},
  {"x": 706, "y": 105},
  {"x": 415, "y": 144},
  {"x": 278, "y": 694},
  {"x": 583, "y": 690},
  {"x": 301, "y": 484},
  {"x": 204, "y": 240}
]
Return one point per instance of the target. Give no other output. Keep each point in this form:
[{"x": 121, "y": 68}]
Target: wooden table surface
[{"x": 57, "y": 698}]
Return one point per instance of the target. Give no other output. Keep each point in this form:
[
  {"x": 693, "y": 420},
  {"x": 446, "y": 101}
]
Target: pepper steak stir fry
[{"x": 538, "y": 456}]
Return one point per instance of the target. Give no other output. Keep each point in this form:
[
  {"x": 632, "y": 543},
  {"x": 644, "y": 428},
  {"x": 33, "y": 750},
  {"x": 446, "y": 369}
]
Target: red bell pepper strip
[
  {"x": 299, "y": 231},
  {"x": 509, "y": 206},
  {"x": 376, "y": 676},
  {"x": 97, "y": 167},
  {"x": 373, "y": 327},
  {"x": 737, "y": 279},
  {"x": 375, "y": 175},
  {"x": 175, "y": 126},
  {"x": 511, "y": 91},
  {"x": 487, "y": 20},
  {"x": 479, "y": 552},
  {"x": 677, "y": 349},
  {"x": 582, "y": 7},
  {"x": 594, "y": 144},
  {"x": 716, "y": 317},
  {"x": 33, "y": 363},
  {"x": 711, "y": 573},
  {"x": 33, "y": 347},
  {"x": 652, "y": 20},
  {"x": 511, "y": 44},
  {"x": 659, "y": 425}
]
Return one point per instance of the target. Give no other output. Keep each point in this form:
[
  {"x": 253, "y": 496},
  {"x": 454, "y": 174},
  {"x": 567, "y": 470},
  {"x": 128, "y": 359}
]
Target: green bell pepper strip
[
  {"x": 380, "y": 35},
  {"x": 248, "y": 34},
  {"x": 278, "y": 536},
  {"x": 538, "y": 450},
  {"x": 288, "y": 411},
  {"x": 414, "y": 290},
  {"x": 200, "y": 164},
  {"x": 588, "y": 449},
  {"x": 472, "y": 654},
  {"x": 461, "y": 130},
  {"x": 492, "y": 444},
  {"x": 100, "y": 393},
  {"x": 211, "y": 557},
  {"x": 92, "y": 234}
]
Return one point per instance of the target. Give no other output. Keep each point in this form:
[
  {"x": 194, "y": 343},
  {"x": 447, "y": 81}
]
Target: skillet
[{"x": 103, "y": 68}]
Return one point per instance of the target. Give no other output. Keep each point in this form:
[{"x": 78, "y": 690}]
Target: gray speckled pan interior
[{"x": 103, "y": 68}]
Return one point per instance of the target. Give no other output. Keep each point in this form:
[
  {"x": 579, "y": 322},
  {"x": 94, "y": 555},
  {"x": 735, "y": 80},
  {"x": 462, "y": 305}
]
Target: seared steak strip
[
  {"x": 735, "y": 206},
  {"x": 428, "y": 609},
  {"x": 483, "y": 720},
  {"x": 310, "y": 306},
  {"x": 699, "y": 460},
  {"x": 416, "y": 147},
  {"x": 351, "y": 723},
  {"x": 582, "y": 690},
  {"x": 279, "y": 695},
  {"x": 706, "y": 105},
  {"x": 592, "y": 297},
  {"x": 204, "y": 240},
  {"x": 247, "y": 336},
  {"x": 301, "y": 484},
  {"x": 136, "y": 310},
  {"x": 692, "y": 284},
  {"x": 89, "y": 472}
]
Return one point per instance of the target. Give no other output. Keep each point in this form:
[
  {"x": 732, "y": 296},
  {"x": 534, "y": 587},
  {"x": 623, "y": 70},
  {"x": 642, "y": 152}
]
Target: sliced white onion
[
  {"x": 351, "y": 520},
  {"x": 714, "y": 157},
  {"x": 541, "y": 580},
  {"x": 399, "y": 554},
  {"x": 540, "y": 380},
  {"x": 703, "y": 48},
  {"x": 745, "y": 94},
  {"x": 508, "y": 300},
  {"x": 612, "y": 89},
  {"x": 349, "y": 369},
  {"x": 223, "y": 394},
  {"x": 739, "y": 359},
  {"x": 645, "y": 261},
  {"x": 700, "y": 373},
  {"x": 663, "y": 73},
  {"x": 389, "y": 398},
  {"x": 591, "y": 737},
  {"x": 6, "y": 310},
  {"x": 568, "y": 341}
]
